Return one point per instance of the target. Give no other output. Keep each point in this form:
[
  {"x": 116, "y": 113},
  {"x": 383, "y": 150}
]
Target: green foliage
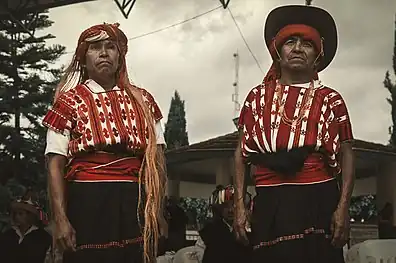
[
  {"x": 175, "y": 128},
  {"x": 363, "y": 207},
  {"x": 391, "y": 87},
  {"x": 27, "y": 81},
  {"x": 197, "y": 210}
]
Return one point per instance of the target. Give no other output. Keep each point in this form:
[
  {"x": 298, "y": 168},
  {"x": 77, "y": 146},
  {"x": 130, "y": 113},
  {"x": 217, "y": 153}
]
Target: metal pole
[{"x": 235, "y": 95}]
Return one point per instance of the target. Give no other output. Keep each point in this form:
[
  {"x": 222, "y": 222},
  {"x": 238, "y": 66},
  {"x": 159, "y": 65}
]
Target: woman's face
[{"x": 102, "y": 59}]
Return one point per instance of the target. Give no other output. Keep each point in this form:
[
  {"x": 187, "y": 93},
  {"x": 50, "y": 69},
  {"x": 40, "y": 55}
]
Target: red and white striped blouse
[{"x": 287, "y": 117}]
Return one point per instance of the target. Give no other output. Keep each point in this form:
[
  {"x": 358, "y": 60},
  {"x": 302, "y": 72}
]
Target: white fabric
[
  {"x": 200, "y": 243},
  {"x": 101, "y": 36},
  {"x": 317, "y": 83},
  {"x": 22, "y": 236},
  {"x": 352, "y": 255},
  {"x": 374, "y": 251},
  {"x": 192, "y": 254},
  {"x": 59, "y": 143},
  {"x": 95, "y": 87},
  {"x": 167, "y": 258},
  {"x": 345, "y": 251},
  {"x": 159, "y": 133}
]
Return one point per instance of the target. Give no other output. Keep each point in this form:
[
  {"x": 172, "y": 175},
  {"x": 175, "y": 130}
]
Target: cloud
[{"x": 196, "y": 58}]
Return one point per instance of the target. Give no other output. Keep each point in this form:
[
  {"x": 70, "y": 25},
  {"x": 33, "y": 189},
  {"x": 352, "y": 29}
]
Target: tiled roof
[
  {"x": 375, "y": 147},
  {"x": 228, "y": 142},
  {"x": 224, "y": 142}
]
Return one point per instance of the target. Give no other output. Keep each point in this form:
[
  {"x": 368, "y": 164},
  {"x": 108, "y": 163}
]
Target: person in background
[
  {"x": 177, "y": 224},
  {"x": 217, "y": 236},
  {"x": 26, "y": 241}
]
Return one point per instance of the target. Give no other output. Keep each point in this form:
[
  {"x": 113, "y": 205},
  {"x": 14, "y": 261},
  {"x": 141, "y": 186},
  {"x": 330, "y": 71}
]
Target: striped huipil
[{"x": 325, "y": 124}]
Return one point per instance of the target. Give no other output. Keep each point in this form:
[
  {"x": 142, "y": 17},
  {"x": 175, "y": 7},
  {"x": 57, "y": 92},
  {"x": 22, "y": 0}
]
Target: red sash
[
  {"x": 314, "y": 171},
  {"x": 100, "y": 166}
]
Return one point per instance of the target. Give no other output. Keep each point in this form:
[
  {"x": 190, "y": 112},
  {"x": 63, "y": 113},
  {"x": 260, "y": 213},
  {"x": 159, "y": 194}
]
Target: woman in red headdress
[
  {"x": 295, "y": 135},
  {"x": 105, "y": 157}
]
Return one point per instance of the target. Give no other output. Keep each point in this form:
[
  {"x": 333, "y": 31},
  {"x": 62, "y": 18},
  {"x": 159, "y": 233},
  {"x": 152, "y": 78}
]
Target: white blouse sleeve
[
  {"x": 57, "y": 143},
  {"x": 159, "y": 133}
]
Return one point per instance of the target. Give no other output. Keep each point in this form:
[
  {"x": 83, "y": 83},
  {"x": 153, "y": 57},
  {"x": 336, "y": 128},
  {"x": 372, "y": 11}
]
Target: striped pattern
[{"x": 325, "y": 123}]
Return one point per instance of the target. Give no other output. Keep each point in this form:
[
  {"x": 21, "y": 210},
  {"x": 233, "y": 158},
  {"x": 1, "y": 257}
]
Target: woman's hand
[
  {"x": 240, "y": 219},
  {"x": 340, "y": 227},
  {"x": 65, "y": 235}
]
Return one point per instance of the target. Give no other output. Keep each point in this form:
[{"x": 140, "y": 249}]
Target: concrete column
[
  {"x": 173, "y": 187},
  {"x": 224, "y": 172},
  {"x": 386, "y": 182}
]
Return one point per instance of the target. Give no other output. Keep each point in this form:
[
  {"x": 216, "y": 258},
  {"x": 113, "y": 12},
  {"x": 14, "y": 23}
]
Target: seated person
[{"x": 217, "y": 235}]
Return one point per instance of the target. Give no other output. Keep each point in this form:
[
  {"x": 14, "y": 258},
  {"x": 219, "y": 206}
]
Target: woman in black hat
[{"x": 297, "y": 135}]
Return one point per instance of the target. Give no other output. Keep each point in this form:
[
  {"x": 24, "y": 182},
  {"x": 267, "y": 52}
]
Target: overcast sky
[{"x": 196, "y": 58}]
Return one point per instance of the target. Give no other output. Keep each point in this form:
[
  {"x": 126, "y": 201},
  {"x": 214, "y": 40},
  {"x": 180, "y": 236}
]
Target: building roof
[
  {"x": 221, "y": 143},
  {"x": 229, "y": 141}
]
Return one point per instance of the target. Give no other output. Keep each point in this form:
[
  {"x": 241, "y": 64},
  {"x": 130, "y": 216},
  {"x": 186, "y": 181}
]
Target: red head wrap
[
  {"x": 103, "y": 32},
  {"x": 306, "y": 32}
]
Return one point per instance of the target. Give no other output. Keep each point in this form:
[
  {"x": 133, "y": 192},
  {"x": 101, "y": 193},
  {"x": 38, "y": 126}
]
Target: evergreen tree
[
  {"x": 175, "y": 128},
  {"x": 391, "y": 87},
  {"x": 27, "y": 81},
  {"x": 308, "y": 2}
]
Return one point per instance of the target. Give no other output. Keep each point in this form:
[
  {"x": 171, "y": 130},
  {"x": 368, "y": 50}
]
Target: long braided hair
[{"x": 152, "y": 171}]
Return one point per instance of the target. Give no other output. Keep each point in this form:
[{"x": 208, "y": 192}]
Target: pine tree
[
  {"x": 175, "y": 128},
  {"x": 391, "y": 87},
  {"x": 308, "y": 2},
  {"x": 27, "y": 81}
]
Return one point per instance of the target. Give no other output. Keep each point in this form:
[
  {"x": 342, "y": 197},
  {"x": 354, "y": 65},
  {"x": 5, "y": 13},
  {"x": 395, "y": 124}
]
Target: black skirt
[
  {"x": 104, "y": 215},
  {"x": 291, "y": 223}
]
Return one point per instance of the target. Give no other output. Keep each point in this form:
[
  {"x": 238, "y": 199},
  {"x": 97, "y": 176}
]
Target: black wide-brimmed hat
[{"x": 311, "y": 16}]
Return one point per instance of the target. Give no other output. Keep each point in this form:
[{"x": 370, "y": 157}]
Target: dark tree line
[
  {"x": 28, "y": 78},
  {"x": 391, "y": 87}
]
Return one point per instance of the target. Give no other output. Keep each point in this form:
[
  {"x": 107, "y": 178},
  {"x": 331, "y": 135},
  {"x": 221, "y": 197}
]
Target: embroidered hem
[
  {"x": 292, "y": 237},
  {"x": 112, "y": 244}
]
